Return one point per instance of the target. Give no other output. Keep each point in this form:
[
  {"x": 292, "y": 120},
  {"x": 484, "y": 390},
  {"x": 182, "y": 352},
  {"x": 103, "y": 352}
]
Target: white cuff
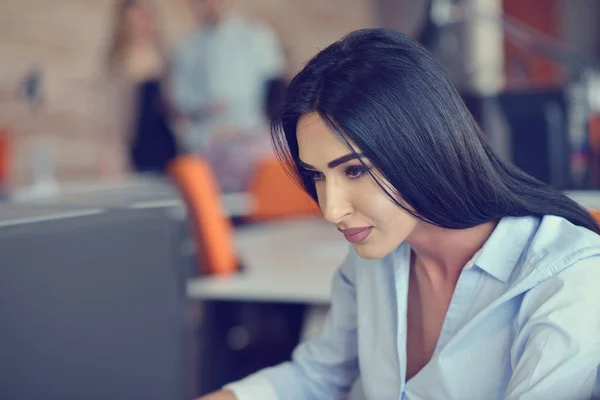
[{"x": 254, "y": 387}]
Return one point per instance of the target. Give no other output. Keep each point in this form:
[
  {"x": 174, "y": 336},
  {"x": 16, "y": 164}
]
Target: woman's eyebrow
[
  {"x": 343, "y": 159},
  {"x": 333, "y": 163}
]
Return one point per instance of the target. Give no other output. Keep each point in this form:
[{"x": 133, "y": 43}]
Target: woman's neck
[{"x": 440, "y": 254}]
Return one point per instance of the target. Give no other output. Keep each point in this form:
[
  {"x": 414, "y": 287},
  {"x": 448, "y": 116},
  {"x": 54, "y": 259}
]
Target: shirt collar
[{"x": 503, "y": 249}]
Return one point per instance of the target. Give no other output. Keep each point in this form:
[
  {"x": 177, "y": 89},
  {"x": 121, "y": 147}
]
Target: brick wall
[{"x": 67, "y": 37}]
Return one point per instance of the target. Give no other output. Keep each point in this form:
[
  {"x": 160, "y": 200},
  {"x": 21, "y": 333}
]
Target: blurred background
[
  {"x": 66, "y": 44},
  {"x": 55, "y": 56},
  {"x": 150, "y": 244}
]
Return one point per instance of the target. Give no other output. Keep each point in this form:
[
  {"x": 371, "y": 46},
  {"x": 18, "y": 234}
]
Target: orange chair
[
  {"x": 596, "y": 215},
  {"x": 276, "y": 195},
  {"x": 4, "y": 154},
  {"x": 213, "y": 231}
]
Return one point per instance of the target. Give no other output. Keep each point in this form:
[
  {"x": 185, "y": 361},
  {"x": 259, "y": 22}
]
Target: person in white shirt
[
  {"x": 467, "y": 279},
  {"x": 220, "y": 78}
]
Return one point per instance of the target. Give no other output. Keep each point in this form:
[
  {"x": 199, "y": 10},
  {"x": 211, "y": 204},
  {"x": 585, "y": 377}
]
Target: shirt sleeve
[
  {"x": 184, "y": 93},
  {"x": 556, "y": 352},
  {"x": 323, "y": 368}
]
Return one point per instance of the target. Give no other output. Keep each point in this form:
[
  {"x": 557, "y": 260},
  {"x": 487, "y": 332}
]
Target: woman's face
[
  {"x": 348, "y": 196},
  {"x": 138, "y": 23}
]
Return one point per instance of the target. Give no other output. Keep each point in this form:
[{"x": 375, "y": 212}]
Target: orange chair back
[
  {"x": 212, "y": 229},
  {"x": 4, "y": 154},
  {"x": 596, "y": 215},
  {"x": 276, "y": 195}
]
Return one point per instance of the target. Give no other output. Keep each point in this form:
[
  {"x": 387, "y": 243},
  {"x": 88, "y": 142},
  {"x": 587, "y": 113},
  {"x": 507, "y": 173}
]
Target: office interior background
[{"x": 109, "y": 286}]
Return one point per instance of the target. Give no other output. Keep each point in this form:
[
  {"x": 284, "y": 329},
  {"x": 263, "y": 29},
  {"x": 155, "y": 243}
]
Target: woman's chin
[{"x": 370, "y": 251}]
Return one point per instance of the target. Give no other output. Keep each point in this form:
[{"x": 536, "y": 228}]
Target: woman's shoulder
[
  {"x": 560, "y": 276},
  {"x": 522, "y": 252},
  {"x": 556, "y": 256},
  {"x": 557, "y": 243}
]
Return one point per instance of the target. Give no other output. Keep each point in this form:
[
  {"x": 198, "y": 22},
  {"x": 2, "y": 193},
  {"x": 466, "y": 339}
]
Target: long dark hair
[{"x": 385, "y": 93}]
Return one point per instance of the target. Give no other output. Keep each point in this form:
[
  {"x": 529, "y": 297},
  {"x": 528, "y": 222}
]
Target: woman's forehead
[{"x": 313, "y": 131}]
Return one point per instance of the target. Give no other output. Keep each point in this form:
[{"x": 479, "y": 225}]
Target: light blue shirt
[
  {"x": 229, "y": 64},
  {"x": 523, "y": 323}
]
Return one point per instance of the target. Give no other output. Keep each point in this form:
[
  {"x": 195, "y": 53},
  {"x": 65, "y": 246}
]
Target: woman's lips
[{"x": 356, "y": 235}]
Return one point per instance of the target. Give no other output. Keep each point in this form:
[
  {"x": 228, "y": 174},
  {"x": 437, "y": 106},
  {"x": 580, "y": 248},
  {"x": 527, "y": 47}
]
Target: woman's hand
[{"x": 220, "y": 395}]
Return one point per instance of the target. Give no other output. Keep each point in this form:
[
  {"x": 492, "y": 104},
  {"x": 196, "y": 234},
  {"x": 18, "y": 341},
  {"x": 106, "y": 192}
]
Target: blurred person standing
[
  {"x": 134, "y": 103},
  {"x": 220, "y": 86}
]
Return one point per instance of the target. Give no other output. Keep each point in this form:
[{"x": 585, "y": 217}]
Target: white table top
[{"x": 289, "y": 261}]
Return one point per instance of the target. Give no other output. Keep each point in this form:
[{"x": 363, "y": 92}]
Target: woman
[
  {"x": 135, "y": 106},
  {"x": 467, "y": 279}
]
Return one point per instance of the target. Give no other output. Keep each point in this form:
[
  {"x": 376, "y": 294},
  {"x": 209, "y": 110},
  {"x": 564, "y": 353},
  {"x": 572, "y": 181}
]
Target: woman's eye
[
  {"x": 312, "y": 174},
  {"x": 316, "y": 176},
  {"x": 355, "y": 172}
]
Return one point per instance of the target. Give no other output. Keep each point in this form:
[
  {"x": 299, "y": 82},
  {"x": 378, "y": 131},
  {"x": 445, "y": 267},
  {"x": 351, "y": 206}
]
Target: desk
[
  {"x": 291, "y": 261},
  {"x": 21, "y": 214},
  {"x": 134, "y": 191}
]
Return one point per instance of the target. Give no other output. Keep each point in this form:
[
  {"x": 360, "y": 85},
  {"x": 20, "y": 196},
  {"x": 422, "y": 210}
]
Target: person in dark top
[
  {"x": 153, "y": 143},
  {"x": 136, "y": 110}
]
